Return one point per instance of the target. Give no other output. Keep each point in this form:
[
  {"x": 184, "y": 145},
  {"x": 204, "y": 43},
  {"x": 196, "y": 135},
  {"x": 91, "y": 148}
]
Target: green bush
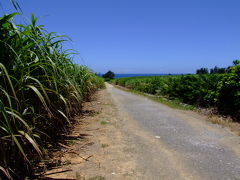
[
  {"x": 220, "y": 91},
  {"x": 229, "y": 92}
]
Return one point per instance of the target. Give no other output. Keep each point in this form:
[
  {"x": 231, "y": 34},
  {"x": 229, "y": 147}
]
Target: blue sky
[{"x": 144, "y": 36}]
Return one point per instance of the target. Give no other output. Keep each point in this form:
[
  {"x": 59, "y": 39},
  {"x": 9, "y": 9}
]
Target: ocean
[{"x": 135, "y": 75}]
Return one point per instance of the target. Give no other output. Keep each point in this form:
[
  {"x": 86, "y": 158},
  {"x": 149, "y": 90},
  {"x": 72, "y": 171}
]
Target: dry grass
[{"x": 226, "y": 122}]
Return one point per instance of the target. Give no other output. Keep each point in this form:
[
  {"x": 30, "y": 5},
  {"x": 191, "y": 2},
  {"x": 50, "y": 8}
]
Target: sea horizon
[{"x": 139, "y": 74}]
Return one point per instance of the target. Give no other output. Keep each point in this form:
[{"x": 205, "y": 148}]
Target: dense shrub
[
  {"x": 229, "y": 92},
  {"x": 221, "y": 91}
]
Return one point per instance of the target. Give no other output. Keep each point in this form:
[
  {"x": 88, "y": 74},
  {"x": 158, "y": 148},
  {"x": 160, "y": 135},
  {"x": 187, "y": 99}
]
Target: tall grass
[{"x": 40, "y": 91}]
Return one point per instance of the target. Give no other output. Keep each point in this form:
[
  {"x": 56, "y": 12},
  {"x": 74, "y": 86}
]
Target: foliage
[
  {"x": 202, "y": 71},
  {"x": 229, "y": 92},
  {"x": 217, "y": 70},
  {"x": 40, "y": 91},
  {"x": 236, "y": 62},
  {"x": 221, "y": 91},
  {"x": 108, "y": 75}
]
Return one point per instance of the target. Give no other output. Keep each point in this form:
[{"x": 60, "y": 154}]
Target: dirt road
[
  {"x": 173, "y": 144},
  {"x": 123, "y": 136}
]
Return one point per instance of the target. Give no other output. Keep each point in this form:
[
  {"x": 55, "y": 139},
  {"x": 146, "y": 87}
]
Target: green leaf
[{"x": 34, "y": 144}]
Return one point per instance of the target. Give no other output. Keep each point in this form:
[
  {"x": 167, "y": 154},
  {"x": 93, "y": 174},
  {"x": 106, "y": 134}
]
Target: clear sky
[{"x": 144, "y": 36}]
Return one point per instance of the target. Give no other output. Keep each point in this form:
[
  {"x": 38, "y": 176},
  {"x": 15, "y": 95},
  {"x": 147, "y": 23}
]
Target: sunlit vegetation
[
  {"x": 41, "y": 90},
  {"x": 221, "y": 91}
]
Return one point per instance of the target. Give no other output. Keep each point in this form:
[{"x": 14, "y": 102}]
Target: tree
[
  {"x": 236, "y": 62},
  {"x": 108, "y": 75},
  {"x": 217, "y": 70},
  {"x": 202, "y": 71}
]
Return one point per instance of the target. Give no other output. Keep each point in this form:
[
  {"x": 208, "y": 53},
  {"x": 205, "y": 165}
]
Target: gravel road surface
[{"x": 175, "y": 144}]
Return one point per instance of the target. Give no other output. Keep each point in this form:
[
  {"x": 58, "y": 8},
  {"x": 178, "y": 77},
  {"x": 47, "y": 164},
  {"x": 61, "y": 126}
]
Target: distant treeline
[{"x": 216, "y": 70}]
